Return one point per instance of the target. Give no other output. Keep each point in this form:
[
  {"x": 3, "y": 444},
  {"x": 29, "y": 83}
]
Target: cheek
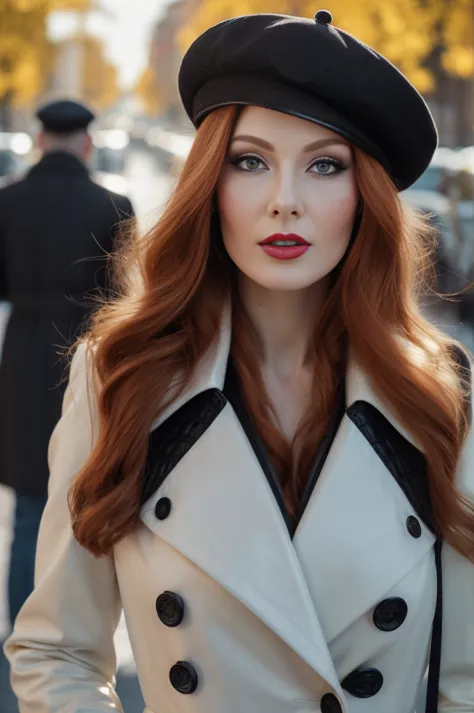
[
  {"x": 238, "y": 207},
  {"x": 334, "y": 218}
]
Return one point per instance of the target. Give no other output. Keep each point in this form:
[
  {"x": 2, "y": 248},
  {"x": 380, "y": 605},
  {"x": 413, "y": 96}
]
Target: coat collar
[
  {"x": 59, "y": 162},
  {"x": 211, "y": 373}
]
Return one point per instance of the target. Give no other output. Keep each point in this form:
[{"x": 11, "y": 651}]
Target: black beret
[
  {"x": 313, "y": 70},
  {"x": 65, "y": 116}
]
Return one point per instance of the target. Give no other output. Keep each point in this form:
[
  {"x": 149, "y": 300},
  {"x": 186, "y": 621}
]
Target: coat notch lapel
[{"x": 354, "y": 526}]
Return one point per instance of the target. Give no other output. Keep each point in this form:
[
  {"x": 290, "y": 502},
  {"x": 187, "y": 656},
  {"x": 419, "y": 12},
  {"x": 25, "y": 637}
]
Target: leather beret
[
  {"x": 64, "y": 116},
  {"x": 313, "y": 70}
]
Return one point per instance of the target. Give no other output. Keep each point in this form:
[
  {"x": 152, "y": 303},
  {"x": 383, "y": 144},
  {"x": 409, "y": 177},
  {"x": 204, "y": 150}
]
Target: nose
[{"x": 284, "y": 201}]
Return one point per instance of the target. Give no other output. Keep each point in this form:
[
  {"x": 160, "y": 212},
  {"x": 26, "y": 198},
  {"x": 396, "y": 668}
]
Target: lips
[
  {"x": 285, "y": 247},
  {"x": 284, "y": 240}
]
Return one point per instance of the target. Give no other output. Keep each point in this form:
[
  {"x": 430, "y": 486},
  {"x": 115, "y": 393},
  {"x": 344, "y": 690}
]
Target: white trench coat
[{"x": 226, "y": 612}]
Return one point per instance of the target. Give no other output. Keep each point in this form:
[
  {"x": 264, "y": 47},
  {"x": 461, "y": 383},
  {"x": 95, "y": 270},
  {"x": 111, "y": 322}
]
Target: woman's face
[{"x": 289, "y": 180}]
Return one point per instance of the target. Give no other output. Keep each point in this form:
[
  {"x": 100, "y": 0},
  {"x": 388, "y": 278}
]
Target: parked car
[
  {"x": 15, "y": 148},
  {"x": 110, "y": 150}
]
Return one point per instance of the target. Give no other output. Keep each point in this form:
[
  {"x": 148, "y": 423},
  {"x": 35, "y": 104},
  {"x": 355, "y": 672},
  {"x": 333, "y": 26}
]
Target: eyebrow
[{"x": 310, "y": 147}]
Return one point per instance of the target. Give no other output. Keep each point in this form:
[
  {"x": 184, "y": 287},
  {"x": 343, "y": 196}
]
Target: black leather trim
[
  {"x": 324, "y": 448},
  {"x": 402, "y": 459},
  {"x": 170, "y": 442},
  {"x": 233, "y": 393}
]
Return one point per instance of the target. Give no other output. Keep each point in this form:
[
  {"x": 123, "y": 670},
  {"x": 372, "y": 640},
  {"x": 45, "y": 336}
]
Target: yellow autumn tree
[
  {"x": 147, "y": 91},
  {"x": 22, "y": 43},
  {"x": 458, "y": 39},
  {"x": 99, "y": 75},
  {"x": 25, "y": 53},
  {"x": 405, "y": 31}
]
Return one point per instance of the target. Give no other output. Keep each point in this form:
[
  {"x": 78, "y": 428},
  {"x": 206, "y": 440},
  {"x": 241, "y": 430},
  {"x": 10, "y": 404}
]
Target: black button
[
  {"x": 170, "y": 608},
  {"x": 183, "y": 677},
  {"x": 330, "y": 704},
  {"x": 163, "y": 508},
  {"x": 363, "y": 682},
  {"x": 413, "y": 526},
  {"x": 390, "y": 614}
]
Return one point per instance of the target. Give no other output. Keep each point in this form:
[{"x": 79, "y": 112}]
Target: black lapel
[
  {"x": 324, "y": 448},
  {"x": 233, "y": 393},
  {"x": 402, "y": 459},
  {"x": 170, "y": 442}
]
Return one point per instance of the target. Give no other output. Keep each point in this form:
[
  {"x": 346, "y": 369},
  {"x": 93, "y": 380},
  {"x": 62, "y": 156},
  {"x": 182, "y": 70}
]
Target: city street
[{"x": 148, "y": 191}]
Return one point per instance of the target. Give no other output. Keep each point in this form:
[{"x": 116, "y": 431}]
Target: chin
[{"x": 287, "y": 283}]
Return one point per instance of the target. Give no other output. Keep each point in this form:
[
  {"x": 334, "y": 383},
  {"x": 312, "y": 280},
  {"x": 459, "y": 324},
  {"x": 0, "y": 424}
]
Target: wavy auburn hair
[{"x": 172, "y": 284}]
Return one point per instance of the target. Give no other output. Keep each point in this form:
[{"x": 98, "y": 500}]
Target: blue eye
[
  {"x": 247, "y": 162},
  {"x": 328, "y": 166}
]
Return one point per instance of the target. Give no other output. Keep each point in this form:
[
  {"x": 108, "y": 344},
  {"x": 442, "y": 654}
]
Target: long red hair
[{"x": 171, "y": 286}]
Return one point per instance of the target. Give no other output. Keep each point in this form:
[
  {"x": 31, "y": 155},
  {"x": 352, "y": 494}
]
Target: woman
[{"x": 264, "y": 443}]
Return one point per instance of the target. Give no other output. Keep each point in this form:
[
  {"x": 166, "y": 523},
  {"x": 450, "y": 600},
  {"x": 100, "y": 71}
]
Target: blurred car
[
  {"x": 451, "y": 273},
  {"x": 436, "y": 178},
  {"x": 112, "y": 182},
  {"x": 110, "y": 150},
  {"x": 464, "y": 189},
  {"x": 15, "y": 148},
  {"x": 169, "y": 148}
]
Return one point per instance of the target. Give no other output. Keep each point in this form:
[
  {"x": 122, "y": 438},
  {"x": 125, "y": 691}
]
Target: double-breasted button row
[
  {"x": 171, "y": 609},
  {"x": 389, "y": 615}
]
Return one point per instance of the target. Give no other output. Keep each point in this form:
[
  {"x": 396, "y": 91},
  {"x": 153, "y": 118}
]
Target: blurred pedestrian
[{"x": 56, "y": 229}]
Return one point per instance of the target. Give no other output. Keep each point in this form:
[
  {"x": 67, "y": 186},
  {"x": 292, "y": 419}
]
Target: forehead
[{"x": 275, "y": 126}]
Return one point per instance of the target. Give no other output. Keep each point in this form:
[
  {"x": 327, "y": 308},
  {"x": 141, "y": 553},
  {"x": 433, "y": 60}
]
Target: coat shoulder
[{"x": 121, "y": 203}]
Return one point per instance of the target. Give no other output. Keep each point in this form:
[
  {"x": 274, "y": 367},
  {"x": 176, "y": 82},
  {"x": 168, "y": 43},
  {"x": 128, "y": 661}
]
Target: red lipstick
[{"x": 284, "y": 247}]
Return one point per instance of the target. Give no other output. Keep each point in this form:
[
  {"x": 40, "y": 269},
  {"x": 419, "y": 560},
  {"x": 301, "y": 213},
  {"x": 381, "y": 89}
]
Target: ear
[
  {"x": 88, "y": 146},
  {"x": 41, "y": 141}
]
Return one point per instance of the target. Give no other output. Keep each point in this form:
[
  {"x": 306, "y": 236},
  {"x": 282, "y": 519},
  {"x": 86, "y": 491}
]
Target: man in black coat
[{"x": 56, "y": 229}]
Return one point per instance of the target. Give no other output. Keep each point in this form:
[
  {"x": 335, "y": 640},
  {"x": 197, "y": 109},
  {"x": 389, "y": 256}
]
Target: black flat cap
[
  {"x": 64, "y": 116},
  {"x": 311, "y": 69}
]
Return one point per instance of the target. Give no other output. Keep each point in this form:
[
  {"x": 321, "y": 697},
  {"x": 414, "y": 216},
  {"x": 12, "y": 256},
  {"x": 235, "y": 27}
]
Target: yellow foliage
[
  {"x": 147, "y": 91},
  {"x": 71, "y": 4},
  {"x": 458, "y": 35},
  {"x": 99, "y": 81},
  {"x": 24, "y": 49},
  {"x": 405, "y": 31}
]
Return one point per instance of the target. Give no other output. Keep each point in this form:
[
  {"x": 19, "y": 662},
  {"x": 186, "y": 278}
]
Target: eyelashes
[{"x": 335, "y": 164}]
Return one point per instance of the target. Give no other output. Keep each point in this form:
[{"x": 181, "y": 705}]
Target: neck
[
  {"x": 63, "y": 150},
  {"x": 285, "y": 322}
]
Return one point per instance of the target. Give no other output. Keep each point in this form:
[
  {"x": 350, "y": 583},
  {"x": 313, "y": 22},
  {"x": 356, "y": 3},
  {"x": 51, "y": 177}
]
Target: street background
[{"x": 122, "y": 58}]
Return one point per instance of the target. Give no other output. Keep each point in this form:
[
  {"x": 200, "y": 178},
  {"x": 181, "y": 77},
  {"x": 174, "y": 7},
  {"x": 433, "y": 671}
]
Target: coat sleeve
[
  {"x": 61, "y": 651},
  {"x": 457, "y": 652}
]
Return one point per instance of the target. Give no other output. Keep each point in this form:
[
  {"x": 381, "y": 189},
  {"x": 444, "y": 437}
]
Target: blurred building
[
  {"x": 165, "y": 58},
  {"x": 453, "y": 109}
]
